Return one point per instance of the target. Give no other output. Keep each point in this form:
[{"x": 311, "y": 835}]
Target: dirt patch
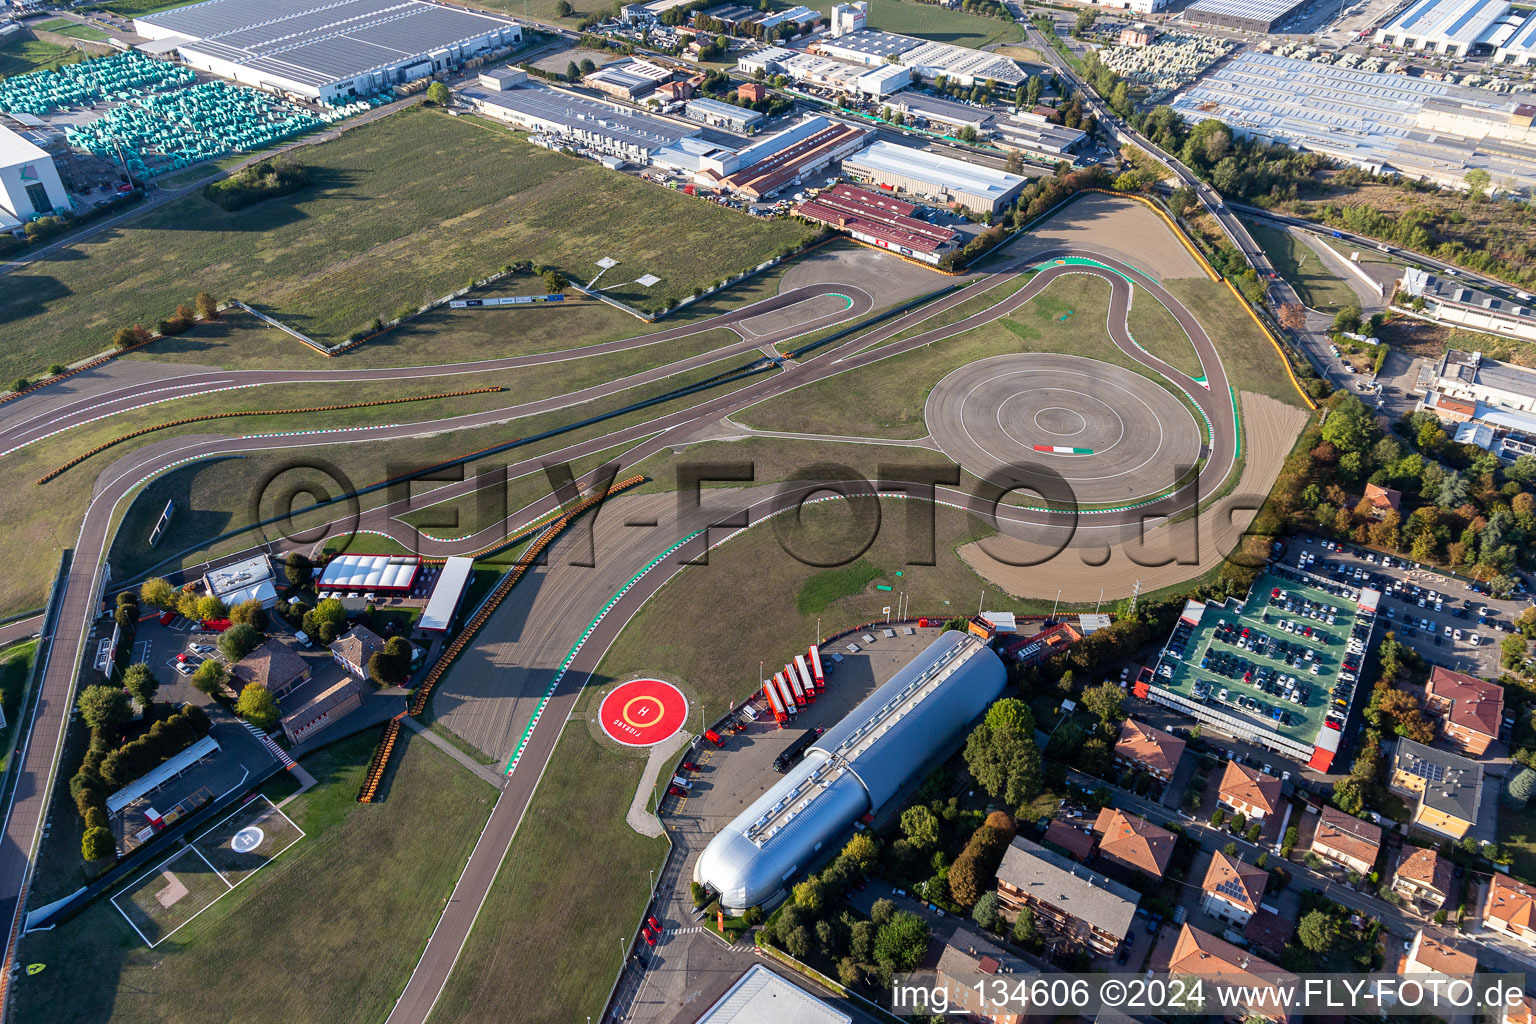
[
  {"x": 1119, "y": 227},
  {"x": 1189, "y": 549},
  {"x": 1431, "y": 341}
]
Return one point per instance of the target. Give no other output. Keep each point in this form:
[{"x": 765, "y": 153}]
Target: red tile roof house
[
  {"x": 1144, "y": 748},
  {"x": 1424, "y": 877},
  {"x": 353, "y": 649},
  {"x": 1510, "y": 908},
  {"x": 1470, "y": 709},
  {"x": 1347, "y": 841},
  {"x": 1232, "y": 890},
  {"x": 1133, "y": 843},
  {"x": 1383, "y": 499},
  {"x": 1249, "y": 791}
]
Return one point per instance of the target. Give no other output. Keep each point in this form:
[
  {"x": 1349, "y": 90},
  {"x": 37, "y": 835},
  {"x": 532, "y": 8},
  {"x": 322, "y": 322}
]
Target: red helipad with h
[{"x": 643, "y": 712}]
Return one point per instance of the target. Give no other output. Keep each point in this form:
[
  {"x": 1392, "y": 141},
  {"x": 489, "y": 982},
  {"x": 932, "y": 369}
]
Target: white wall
[{"x": 15, "y": 178}]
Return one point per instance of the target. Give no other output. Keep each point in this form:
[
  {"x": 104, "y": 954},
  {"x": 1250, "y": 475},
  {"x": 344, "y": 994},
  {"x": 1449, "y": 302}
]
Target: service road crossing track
[{"x": 37, "y": 766}]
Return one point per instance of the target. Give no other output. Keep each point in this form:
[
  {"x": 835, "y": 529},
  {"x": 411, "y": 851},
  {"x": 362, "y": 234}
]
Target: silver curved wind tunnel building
[{"x": 853, "y": 770}]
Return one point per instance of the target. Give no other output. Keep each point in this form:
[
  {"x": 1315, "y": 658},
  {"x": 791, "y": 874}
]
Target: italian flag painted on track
[{"x": 1061, "y": 449}]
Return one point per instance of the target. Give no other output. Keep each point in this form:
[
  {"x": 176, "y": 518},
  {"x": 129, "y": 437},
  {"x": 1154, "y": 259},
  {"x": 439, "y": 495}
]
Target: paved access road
[{"x": 122, "y": 477}]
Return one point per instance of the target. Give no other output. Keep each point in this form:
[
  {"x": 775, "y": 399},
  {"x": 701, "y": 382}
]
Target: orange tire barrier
[
  {"x": 1275, "y": 342},
  {"x": 256, "y": 412},
  {"x": 380, "y": 762},
  {"x": 528, "y": 557}
]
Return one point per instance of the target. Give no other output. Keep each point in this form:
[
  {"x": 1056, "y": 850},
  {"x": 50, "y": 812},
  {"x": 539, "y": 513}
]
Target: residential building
[
  {"x": 752, "y": 91},
  {"x": 274, "y": 665},
  {"x": 1423, "y": 878},
  {"x": 967, "y": 957},
  {"x": 1232, "y": 889},
  {"x": 1077, "y": 843},
  {"x": 1149, "y": 750},
  {"x": 1268, "y": 933},
  {"x": 1437, "y": 954},
  {"x": 1523, "y": 1012},
  {"x": 318, "y": 707},
  {"x": 1510, "y": 908},
  {"x": 353, "y": 649},
  {"x": 1082, "y": 908},
  {"x": 1132, "y": 843},
  {"x": 1201, "y": 954},
  {"x": 1347, "y": 841},
  {"x": 1140, "y": 34},
  {"x": 1383, "y": 499},
  {"x": 1470, "y": 709},
  {"x": 1448, "y": 788},
  {"x": 1248, "y": 791}
]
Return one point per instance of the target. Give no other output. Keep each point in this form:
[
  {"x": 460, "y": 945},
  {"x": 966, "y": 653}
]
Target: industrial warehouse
[
  {"x": 957, "y": 63},
  {"x": 1464, "y": 28},
  {"x": 1383, "y": 123},
  {"x": 1242, "y": 15},
  {"x": 880, "y": 220},
  {"x": 1482, "y": 401},
  {"x": 566, "y": 117},
  {"x": 933, "y": 177},
  {"x": 853, "y": 770},
  {"x": 326, "y": 52}
]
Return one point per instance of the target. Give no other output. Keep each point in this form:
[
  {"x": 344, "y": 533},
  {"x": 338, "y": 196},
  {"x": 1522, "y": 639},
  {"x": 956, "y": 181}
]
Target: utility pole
[
  {"x": 1056, "y": 604},
  {"x": 980, "y": 601},
  {"x": 1135, "y": 593},
  {"x": 1099, "y": 602}
]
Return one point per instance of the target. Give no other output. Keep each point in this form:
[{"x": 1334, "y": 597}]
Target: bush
[
  {"x": 264, "y": 180},
  {"x": 257, "y": 706},
  {"x": 237, "y": 641},
  {"x": 98, "y": 844},
  {"x": 207, "y": 308}
]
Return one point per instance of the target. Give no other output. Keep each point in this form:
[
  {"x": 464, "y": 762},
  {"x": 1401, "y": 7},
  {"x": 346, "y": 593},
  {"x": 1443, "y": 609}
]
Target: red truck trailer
[
  {"x": 801, "y": 697},
  {"x": 775, "y": 703},
  {"x": 821, "y": 677},
  {"x": 805, "y": 673},
  {"x": 785, "y": 692}
]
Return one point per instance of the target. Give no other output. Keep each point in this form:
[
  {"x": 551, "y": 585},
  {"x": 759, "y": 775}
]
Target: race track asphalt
[{"x": 45, "y": 728}]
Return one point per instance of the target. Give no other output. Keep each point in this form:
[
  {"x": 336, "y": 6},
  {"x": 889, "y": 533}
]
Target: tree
[
  {"x": 326, "y": 621},
  {"x": 249, "y": 612},
  {"x": 1522, "y": 786},
  {"x": 237, "y": 641},
  {"x": 1292, "y": 316},
  {"x": 105, "y": 709},
  {"x": 1024, "y": 931},
  {"x": 920, "y": 827},
  {"x": 1014, "y": 164},
  {"x": 210, "y": 608},
  {"x": 141, "y": 684},
  {"x": 881, "y": 912},
  {"x": 1318, "y": 931},
  {"x": 257, "y": 706},
  {"x": 1348, "y": 426},
  {"x": 1347, "y": 320},
  {"x": 210, "y": 677},
  {"x": 861, "y": 851},
  {"x": 1106, "y": 702},
  {"x": 811, "y": 895},
  {"x": 297, "y": 568},
  {"x": 555, "y": 282},
  {"x": 207, "y": 308},
  {"x": 572, "y": 72},
  {"x": 438, "y": 94},
  {"x": 563, "y": 9},
  {"x": 985, "y": 912},
  {"x": 125, "y": 337},
  {"x": 158, "y": 593},
  {"x": 98, "y": 844},
  {"x": 1477, "y": 180},
  {"x": 901, "y": 942},
  {"x": 1002, "y": 755},
  {"x": 1512, "y": 650}
]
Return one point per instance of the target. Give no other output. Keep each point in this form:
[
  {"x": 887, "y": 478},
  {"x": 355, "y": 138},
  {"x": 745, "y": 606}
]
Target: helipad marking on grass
[{"x": 643, "y": 712}]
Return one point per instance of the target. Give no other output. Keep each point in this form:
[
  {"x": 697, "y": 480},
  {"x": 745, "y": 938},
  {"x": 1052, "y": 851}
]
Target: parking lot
[{"x": 1441, "y": 618}]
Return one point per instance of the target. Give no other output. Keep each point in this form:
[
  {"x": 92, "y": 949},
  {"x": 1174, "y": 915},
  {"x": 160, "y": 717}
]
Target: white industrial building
[
  {"x": 327, "y": 51},
  {"x": 1452, "y": 27},
  {"x": 866, "y": 46},
  {"x": 721, "y": 115},
  {"x": 568, "y": 118},
  {"x": 1242, "y": 15},
  {"x": 1135, "y": 6},
  {"x": 767, "y": 61},
  {"x": 845, "y": 77},
  {"x": 761, "y": 997},
  {"x": 846, "y": 18},
  {"x": 249, "y": 579},
  {"x": 855, "y": 769},
  {"x": 29, "y": 182},
  {"x": 944, "y": 113},
  {"x": 958, "y": 63},
  {"x": 934, "y": 178},
  {"x": 1489, "y": 403},
  {"x": 1033, "y": 133},
  {"x": 1390, "y": 124}
]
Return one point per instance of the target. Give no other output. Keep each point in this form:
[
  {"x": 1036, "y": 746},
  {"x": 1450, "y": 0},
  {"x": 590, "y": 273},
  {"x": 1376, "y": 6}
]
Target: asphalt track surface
[
  {"x": 44, "y": 729},
  {"x": 1126, "y": 433}
]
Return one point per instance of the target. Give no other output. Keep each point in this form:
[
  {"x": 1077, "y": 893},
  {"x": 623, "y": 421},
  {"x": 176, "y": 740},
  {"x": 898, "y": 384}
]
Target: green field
[
  {"x": 1250, "y": 359},
  {"x": 886, "y": 399},
  {"x": 15, "y": 665},
  {"x": 134, "y": 8},
  {"x": 24, "y": 56},
  {"x": 327, "y": 932},
  {"x": 404, "y": 210},
  {"x": 1295, "y": 261},
  {"x": 72, "y": 29},
  {"x": 940, "y": 24},
  {"x": 547, "y": 940},
  {"x": 1156, "y": 330}
]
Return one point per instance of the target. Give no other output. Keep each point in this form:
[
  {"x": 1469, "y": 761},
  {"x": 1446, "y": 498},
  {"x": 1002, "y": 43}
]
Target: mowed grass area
[
  {"x": 15, "y": 666},
  {"x": 403, "y": 210},
  {"x": 446, "y": 335},
  {"x": 1250, "y": 359},
  {"x": 970, "y": 307},
  {"x": 72, "y": 29},
  {"x": 545, "y": 947},
  {"x": 940, "y": 24},
  {"x": 886, "y": 399},
  {"x": 328, "y": 932},
  {"x": 24, "y": 56},
  {"x": 1156, "y": 330},
  {"x": 1295, "y": 261}
]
